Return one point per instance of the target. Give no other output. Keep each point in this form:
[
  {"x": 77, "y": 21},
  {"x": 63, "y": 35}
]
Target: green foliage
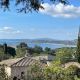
[
  {"x": 52, "y": 72},
  {"x": 31, "y": 51},
  {"x": 5, "y": 48},
  {"x": 78, "y": 48},
  {"x": 27, "y": 5},
  {"x": 22, "y": 45},
  {"x": 66, "y": 54},
  {"x": 6, "y": 52},
  {"x": 20, "y": 52},
  {"x": 3, "y": 74},
  {"x": 57, "y": 72},
  {"x": 21, "y": 49},
  {"x": 37, "y": 49},
  {"x": 1, "y": 53},
  {"x": 11, "y": 51},
  {"x": 35, "y": 72},
  {"x": 49, "y": 51}
]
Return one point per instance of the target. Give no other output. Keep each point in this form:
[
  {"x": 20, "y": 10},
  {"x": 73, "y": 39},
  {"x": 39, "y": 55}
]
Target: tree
[
  {"x": 78, "y": 47},
  {"x": 20, "y": 52},
  {"x": 37, "y": 49},
  {"x": 57, "y": 72},
  {"x": 22, "y": 49},
  {"x": 49, "y": 51},
  {"x": 28, "y": 5},
  {"x": 22, "y": 45},
  {"x": 52, "y": 72},
  {"x": 3, "y": 74},
  {"x": 5, "y": 48},
  {"x": 6, "y": 52},
  {"x": 11, "y": 51},
  {"x": 35, "y": 72},
  {"x": 65, "y": 54},
  {"x": 30, "y": 51}
]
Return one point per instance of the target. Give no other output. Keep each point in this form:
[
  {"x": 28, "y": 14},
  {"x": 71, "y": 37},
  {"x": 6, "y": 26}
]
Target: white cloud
[
  {"x": 60, "y": 10},
  {"x": 6, "y": 29},
  {"x": 9, "y": 30},
  {"x": 17, "y": 32}
]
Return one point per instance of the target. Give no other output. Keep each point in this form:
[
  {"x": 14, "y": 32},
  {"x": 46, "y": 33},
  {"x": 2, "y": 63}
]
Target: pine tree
[{"x": 78, "y": 47}]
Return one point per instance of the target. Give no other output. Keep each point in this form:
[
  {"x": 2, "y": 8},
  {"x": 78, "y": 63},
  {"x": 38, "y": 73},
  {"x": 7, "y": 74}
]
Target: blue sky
[{"x": 56, "y": 22}]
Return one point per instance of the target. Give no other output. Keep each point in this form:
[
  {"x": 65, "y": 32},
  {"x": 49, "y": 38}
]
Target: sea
[{"x": 15, "y": 42}]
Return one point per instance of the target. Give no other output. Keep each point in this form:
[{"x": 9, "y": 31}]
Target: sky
[{"x": 55, "y": 22}]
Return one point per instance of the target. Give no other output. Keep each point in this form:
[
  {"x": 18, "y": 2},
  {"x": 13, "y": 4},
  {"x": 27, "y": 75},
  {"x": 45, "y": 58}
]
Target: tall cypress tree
[
  {"x": 5, "y": 48},
  {"x": 78, "y": 47}
]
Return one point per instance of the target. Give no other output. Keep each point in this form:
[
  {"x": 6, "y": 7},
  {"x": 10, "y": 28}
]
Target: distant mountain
[
  {"x": 67, "y": 42},
  {"x": 48, "y": 40},
  {"x": 41, "y": 40}
]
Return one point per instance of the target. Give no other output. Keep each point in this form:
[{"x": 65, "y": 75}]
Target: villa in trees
[{"x": 17, "y": 68}]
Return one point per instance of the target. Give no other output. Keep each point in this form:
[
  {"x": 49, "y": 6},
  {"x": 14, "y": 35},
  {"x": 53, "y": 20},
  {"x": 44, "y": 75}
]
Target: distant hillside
[
  {"x": 41, "y": 40},
  {"x": 66, "y": 42}
]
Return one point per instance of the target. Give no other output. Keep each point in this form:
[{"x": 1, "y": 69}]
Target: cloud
[
  {"x": 9, "y": 30},
  {"x": 17, "y": 32},
  {"x": 60, "y": 10},
  {"x": 5, "y": 29}
]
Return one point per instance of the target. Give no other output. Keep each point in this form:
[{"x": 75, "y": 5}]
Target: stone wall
[{"x": 17, "y": 71}]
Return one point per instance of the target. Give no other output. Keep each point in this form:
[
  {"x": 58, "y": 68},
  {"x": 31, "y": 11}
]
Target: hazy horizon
[{"x": 35, "y": 39}]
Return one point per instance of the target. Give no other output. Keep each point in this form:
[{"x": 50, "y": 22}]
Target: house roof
[
  {"x": 10, "y": 62},
  {"x": 25, "y": 61},
  {"x": 66, "y": 65},
  {"x": 42, "y": 57}
]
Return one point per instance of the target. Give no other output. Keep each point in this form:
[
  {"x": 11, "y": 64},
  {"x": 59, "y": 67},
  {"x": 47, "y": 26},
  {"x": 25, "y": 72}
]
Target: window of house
[
  {"x": 15, "y": 78},
  {"x": 22, "y": 75}
]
